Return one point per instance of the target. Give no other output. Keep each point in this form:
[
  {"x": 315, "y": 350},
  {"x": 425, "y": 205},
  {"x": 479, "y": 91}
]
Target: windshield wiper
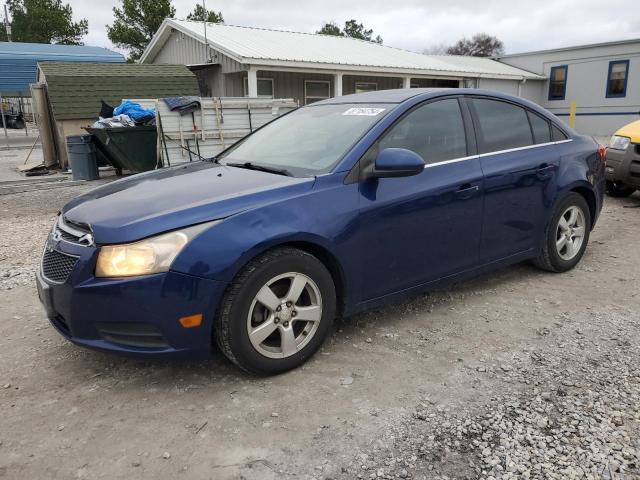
[{"x": 262, "y": 168}]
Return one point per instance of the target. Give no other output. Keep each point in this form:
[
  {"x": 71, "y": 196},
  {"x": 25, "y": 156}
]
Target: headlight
[
  {"x": 619, "y": 143},
  {"x": 151, "y": 255}
]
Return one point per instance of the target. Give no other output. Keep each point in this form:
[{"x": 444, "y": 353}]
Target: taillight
[{"x": 602, "y": 153}]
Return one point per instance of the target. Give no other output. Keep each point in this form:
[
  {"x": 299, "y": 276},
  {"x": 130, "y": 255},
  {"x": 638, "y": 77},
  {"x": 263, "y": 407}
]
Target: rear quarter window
[
  {"x": 540, "y": 128},
  {"x": 558, "y": 134}
]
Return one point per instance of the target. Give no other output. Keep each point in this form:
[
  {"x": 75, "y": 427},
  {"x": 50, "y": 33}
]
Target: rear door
[
  {"x": 520, "y": 165},
  {"x": 421, "y": 228}
]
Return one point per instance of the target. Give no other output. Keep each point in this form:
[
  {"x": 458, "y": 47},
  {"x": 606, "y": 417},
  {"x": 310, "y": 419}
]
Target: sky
[{"x": 418, "y": 25}]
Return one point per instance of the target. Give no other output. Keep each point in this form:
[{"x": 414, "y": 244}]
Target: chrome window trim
[{"x": 497, "y": 152}]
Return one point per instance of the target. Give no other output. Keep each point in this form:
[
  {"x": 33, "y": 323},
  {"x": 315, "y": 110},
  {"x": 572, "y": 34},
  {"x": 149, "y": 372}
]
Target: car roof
[{"x": 400, "y": 95}]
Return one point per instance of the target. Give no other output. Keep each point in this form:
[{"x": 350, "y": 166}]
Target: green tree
[
  {"x": 136, "y": 23},
  {"x": 331, "y": 28},
  {"x": 354, "y": 29},
  {"x": 200, "y": 14},
  {"x": 43, "y": 21},
  {"x": 480, "y": 45},
  {"x": 351, "y": 29}
]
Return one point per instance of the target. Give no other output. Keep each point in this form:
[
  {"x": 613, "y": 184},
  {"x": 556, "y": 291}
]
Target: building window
[
  {"x": 265, "y": 87},
  {"x": 617, "y": 78},
  {"x": 362, "y": 87},
  {"x": 315, "y": 90},
  {"x": 558, "y": 82}
]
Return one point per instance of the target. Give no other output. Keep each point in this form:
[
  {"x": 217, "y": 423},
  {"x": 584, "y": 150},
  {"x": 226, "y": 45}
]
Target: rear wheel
[
  {"x": 277, "y": 312},
  {"x": 617, "y": 189},
  {"x": 567, "y": 235}
]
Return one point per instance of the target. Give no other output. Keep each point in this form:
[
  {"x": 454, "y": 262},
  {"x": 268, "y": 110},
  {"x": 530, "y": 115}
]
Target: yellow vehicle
[{"x": 623, "y": 161}]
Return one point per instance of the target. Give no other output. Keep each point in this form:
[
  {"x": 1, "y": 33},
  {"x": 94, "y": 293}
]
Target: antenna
[{"x": 7, "y": 25}]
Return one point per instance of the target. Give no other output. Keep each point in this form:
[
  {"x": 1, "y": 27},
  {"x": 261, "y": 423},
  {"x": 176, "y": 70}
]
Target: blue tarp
[{"x": 135, "y": 111}]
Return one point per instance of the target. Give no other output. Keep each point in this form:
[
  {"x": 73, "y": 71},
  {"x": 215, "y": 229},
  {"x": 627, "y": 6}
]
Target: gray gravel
[{"x": 569, "y": 409}]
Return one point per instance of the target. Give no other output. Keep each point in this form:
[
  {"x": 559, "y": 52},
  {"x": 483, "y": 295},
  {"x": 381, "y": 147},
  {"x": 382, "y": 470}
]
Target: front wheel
[
  {"x": 567, "y": 235},
  {"x": 618, "y": 190},
  {"x": 277, "y": 312}
]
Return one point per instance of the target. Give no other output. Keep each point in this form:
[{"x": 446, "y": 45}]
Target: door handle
[
  {"x": 545, "y": 170},
  {"x": 466, "y": 191}
]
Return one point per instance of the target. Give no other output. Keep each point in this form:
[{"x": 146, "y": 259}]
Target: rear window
[
  {"x": 502, "y": 125},
  {"x": 540, "y": 127}
]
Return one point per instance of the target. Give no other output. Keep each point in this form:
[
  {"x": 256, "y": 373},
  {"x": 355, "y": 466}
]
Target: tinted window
[
  {"x": 540, "y": 127},
  {"x": 558, "y": 83},
  {"x": 501, "y": 125},
  {"x": 434, "y": 131},
  {"x": 558, "y": 134}
]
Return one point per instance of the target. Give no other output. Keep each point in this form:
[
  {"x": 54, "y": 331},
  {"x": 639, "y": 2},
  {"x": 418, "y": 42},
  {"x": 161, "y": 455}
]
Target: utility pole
[
  {"x": 7, "y": 25},
  {"x": 207, "y": 58}
]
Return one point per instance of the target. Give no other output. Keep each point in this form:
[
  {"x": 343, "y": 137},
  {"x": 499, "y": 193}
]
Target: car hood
[{"x": 149, "y": 203}]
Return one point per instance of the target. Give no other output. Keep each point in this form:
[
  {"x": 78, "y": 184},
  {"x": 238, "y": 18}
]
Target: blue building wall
[{"x": 18, "y": 62}]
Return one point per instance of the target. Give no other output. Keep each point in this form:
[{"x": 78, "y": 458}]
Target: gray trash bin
[{"x": 82, "y": 157}]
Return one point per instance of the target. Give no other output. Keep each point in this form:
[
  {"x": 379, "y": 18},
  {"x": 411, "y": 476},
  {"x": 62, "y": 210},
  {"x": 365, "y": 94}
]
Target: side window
[
  {"x": 558, "y": 82},
  {"x": 540, "y": 127},
  {"x": 434, "y": 131},
  {"x": 502, "y": 125},
  {"x": 558, "y": 134}
]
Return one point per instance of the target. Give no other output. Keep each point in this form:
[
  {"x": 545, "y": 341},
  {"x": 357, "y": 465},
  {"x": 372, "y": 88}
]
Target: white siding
[{"x": 586, "y": 85}]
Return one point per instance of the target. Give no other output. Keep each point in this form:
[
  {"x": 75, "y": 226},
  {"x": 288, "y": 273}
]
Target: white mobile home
[
  {"x": 241, "y": 61},
  {"x": 602, "y": 79}
]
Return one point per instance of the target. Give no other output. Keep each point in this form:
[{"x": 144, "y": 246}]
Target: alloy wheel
[
  {"x": 570, "y": 233},
  {"x": 284, "y": 315}
]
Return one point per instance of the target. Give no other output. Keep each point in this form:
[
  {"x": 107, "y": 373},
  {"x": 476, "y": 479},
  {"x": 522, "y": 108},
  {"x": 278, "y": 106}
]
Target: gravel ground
[
  {"x": 518, "y": 374},
  {"x": 566, "y": 409}
]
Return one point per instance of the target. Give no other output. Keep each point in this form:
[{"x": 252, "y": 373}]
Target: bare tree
[{"x": 480, "y": 45}]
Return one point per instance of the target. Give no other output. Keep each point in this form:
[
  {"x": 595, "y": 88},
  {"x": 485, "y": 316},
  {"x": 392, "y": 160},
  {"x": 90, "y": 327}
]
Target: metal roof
[
  {"x": 18, "y": 61},
  {"x": 75, "y": 89},
  {"x": 615, "y": 43},
  {"x": 259, "y": 46}
]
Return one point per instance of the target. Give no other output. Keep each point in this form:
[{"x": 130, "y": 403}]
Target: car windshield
[{"x": 307, "y": 141}]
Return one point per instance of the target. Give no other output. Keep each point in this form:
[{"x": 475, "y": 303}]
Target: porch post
[
  {"x": 337, "y": 85},
  {"x": 252, "y": 82},
  {"x": 406, "y": 82}
]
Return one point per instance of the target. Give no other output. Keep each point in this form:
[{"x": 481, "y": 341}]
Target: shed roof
[
  {"x": 75, "y": 89},
  {"x": 260, "y": 46},
  {"x": 18, "y": 61}
]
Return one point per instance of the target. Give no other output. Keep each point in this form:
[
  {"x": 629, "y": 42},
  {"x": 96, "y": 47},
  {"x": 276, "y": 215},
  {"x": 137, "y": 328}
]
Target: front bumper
[
  {"x": 624, "y": 166},
  {"x": 137, "y": 315}
]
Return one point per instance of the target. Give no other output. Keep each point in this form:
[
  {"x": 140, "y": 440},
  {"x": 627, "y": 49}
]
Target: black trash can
[{"x": 82, "y": 157}]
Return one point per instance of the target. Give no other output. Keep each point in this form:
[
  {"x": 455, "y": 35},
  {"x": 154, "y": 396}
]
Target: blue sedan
[{"x": 335, "y": 208}]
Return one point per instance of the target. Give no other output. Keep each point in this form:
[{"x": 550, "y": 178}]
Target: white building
[
  {"x": 602, "y": 79},
  {"x": 238, "y": 61}
]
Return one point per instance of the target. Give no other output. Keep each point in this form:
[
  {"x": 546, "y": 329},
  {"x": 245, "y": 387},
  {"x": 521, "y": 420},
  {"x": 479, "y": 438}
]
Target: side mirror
[{"x": 396, "y": 162}]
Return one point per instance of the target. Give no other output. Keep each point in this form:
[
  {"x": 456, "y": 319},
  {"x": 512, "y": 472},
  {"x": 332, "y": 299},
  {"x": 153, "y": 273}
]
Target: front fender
[{"x": 326, "y": 217}]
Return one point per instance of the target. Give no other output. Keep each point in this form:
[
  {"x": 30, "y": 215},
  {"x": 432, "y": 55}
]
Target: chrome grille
[
  {"x": 72, "y": 232},
  {"x": 57, "y": 266}
]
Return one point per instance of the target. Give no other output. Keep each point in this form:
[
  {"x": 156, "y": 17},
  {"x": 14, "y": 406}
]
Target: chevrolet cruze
[{"x": 334, "y": 208}]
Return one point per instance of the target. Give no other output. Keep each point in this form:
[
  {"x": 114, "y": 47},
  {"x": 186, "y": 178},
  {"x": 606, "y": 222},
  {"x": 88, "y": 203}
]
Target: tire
[
  {"x": 557, "y": 256},
  {"x": 291, "y": 339},
  {"x": 618, "y": 190}
]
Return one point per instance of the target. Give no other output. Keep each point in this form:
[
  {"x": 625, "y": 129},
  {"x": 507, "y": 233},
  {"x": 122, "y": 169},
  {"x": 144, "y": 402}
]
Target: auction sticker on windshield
[{"x": 366, "y": 111}]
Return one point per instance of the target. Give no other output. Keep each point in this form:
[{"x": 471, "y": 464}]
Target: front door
[{"x": 417, "y": 229}]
